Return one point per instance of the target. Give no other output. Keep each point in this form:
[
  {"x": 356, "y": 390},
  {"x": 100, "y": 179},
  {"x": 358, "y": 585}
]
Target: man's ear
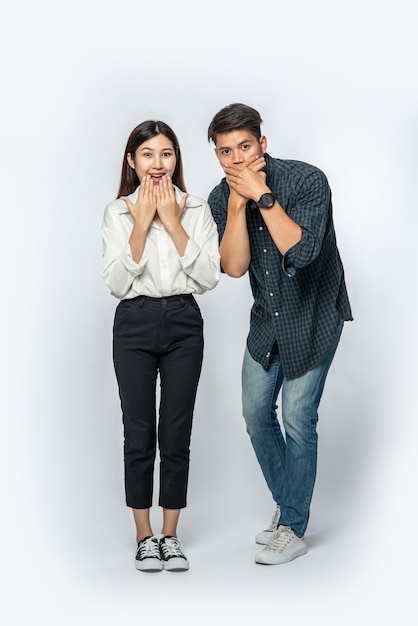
[{"x": 263, "y": 143}]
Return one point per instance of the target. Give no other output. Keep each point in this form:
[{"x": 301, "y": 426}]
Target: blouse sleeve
[
  {"x": 119, "y": 268},
  {"x": 201, "y": 260}
]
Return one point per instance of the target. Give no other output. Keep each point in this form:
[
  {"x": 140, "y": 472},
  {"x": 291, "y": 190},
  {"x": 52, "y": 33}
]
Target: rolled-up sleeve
[
  {"x": 201, "y": 260},
  {"x": 311, "y": 210},
  {"x": 119, "y": 268}
]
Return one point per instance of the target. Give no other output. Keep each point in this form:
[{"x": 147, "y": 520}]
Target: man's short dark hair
[{"x": 235, "y": 116}]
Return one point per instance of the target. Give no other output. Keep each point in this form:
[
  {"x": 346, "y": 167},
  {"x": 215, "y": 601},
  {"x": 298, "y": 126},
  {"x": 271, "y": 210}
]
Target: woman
[{"x": 160, "y": 247}]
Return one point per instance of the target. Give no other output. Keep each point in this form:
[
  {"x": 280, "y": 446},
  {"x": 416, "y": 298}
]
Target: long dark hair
[{"x": 146, "y": 130}]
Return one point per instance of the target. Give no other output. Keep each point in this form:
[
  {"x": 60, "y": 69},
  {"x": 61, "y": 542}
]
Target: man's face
[{"x": 237, "y": 147}]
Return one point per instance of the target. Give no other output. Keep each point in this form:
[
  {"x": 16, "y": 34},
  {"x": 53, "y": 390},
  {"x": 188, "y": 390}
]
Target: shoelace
[
  {"x": 275, "y": 519},
  {"x": 171, "y": 546},
  {"x": 149, "y": 548},
  {"x": 281, "y": 538}
]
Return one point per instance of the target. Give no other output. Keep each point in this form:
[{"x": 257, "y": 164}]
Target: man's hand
[{"x": 247, "y": 180}]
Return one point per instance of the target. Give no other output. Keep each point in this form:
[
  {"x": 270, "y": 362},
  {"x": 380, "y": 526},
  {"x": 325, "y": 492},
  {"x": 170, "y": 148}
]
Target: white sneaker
[
  {"x": 148, "y": 555},
  {"x": 265, "y": 535},
  {"x": 172, "y": 555},
  {"x": 284, "y": 546}
]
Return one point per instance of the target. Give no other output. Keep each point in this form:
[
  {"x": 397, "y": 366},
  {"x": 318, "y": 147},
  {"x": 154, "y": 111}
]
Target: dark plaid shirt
[{"x": 299, "y": 298}]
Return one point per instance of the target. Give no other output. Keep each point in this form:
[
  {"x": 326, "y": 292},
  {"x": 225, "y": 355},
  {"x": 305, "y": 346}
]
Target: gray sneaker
[
  {"x": 265, "y": 535},
  {"x": 284, "y": 546}
]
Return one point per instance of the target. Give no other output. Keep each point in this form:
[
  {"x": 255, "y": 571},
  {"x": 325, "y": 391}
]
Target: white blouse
[{"x": 161, "y": 271}]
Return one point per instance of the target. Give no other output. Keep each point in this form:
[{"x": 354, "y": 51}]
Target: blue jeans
[{"x": 287, "y": 458}]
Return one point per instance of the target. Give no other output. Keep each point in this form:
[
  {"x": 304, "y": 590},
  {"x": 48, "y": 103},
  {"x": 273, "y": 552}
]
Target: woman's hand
[
  {"x": 169, "y": 211},
  {"x": 144, "y": 208},
  {"x": 143, "y": 211}
]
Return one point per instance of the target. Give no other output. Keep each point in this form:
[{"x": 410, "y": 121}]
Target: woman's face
[{"x": 155, "y": 157}]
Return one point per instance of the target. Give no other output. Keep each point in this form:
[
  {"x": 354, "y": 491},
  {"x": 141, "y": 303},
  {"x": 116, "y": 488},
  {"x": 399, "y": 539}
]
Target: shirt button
[
  {"x": 267, "y": 355},
  {"x": 264, "y": 250},
  {"x": 276, "y": 314},
  {"x": 260, "y": 228},
  {"x": 271, "y": 294},
  {"x": 266, "y": 272}
]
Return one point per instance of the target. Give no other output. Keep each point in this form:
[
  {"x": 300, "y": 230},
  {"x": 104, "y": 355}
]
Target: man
[{"x": 274, "y": 219}]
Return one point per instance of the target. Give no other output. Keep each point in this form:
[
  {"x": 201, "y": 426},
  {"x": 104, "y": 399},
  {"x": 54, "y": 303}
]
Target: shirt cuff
[
  {"x": 287, "y": 267},
  {"x": 126, "y": 259},
  {"x": 191, "y": 253}
]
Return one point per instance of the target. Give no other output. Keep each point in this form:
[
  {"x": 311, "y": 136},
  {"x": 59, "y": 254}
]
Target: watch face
[{"x": 266, "y": 201}]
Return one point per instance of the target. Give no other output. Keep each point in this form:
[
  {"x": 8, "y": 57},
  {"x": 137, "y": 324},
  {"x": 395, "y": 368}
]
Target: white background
[{"x": 336, "y": 86}]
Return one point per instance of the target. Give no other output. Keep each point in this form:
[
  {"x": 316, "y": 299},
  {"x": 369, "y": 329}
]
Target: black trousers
[{"x": 154, "y": 336}]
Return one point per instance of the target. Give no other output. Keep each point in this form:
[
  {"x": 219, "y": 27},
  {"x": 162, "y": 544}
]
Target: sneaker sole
[
  {"x": 273, "y": 559},
  {"x": 176, "y": 565},
  {"x": 149, "y": 565}
]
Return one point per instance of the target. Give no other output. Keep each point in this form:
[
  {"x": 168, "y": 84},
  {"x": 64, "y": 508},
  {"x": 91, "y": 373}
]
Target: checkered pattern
[{"x": 301, "y": 297}]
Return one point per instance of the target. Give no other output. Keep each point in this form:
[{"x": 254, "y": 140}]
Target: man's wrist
[
  {"x": 237, "y": 202},
  {"x": 259, "y": 192},
  {"x": 265, "y": 200}
]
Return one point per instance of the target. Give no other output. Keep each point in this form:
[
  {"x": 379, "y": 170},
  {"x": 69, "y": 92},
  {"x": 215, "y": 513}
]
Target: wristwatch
[{"x": 266, "y": 201}]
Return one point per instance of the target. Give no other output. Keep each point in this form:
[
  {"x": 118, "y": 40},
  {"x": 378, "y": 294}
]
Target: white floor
[
  {"x": 67, "y": 538},
  {"x": 350, "y": 575}
]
